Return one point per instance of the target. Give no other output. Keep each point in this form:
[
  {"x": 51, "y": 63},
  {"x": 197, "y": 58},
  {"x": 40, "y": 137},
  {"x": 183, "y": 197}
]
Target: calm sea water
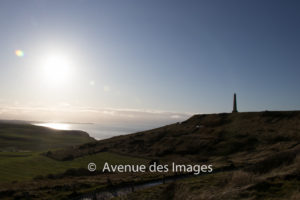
[{"x": 96, "y": 131}]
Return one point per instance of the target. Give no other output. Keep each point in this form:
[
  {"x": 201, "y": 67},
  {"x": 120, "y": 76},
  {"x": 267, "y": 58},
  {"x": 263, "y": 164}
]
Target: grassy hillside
[
  {"x": 244, "y": 137},
  {"x": 20, "y": 166},
  {"x": 259, "y": 150},
  {"x": 27, "y": 137},
  {"x": 25, "y": 175},
  {"x": 25, "y": 170},
  {"x": 234, "y": 185}
]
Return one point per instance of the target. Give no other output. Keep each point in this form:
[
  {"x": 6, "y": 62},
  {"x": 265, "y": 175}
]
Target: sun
[{"x": 56, "y": 69}]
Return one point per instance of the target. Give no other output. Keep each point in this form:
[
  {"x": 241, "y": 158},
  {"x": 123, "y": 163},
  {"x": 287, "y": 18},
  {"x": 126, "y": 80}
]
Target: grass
[
  {"x": 262, "y": 146},
  {"x": 206, "y": 136},
  {"x": 27, "y": 137},
  {"x": 241, "y": 178},
  {"x": 234, "y": 185},
  {"x": 20, "y": 166}
]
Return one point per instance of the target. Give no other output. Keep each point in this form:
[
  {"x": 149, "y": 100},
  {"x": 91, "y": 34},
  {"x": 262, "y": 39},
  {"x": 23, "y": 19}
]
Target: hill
[
  {"x": 255, "y": 155},
  {"x": 26, "y": 137},
  {"x": 246, "y": 137}
]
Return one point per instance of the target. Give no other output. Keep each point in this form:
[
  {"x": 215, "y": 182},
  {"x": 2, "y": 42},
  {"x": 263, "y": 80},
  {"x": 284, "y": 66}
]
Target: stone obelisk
[{"x": 234, "y": 104}]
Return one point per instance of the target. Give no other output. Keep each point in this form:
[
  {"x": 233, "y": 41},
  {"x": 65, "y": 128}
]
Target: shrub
[
  {"x": 273, "y": 162},
  {"x": 295, "y": 196},
  {"x": 241, "y": 178}
]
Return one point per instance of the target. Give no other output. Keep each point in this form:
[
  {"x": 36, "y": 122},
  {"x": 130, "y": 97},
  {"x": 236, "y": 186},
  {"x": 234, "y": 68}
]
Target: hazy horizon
[{"x": 152, "y": 62}]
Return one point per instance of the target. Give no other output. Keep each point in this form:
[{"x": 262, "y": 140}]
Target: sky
[{"x": 142, "y": 61}]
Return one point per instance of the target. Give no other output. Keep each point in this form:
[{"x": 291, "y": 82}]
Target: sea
[{"x": 97, "y": 131}]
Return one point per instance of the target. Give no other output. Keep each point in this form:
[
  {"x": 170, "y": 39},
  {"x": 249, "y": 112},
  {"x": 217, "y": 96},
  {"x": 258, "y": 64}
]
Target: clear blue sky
[{"x": 176, "y": 56}]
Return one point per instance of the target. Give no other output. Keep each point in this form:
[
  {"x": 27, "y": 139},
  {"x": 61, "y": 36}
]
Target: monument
[{"x": 234, "y": 104}]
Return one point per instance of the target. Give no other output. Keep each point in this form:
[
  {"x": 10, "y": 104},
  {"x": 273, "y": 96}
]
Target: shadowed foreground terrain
[
  {"x": 255, "y": 155},
  {"x": 235, "y": 138}
]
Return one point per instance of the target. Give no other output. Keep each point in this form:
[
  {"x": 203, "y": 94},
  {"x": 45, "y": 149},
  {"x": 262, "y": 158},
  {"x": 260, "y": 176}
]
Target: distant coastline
[{"x": 97, "y": 131}]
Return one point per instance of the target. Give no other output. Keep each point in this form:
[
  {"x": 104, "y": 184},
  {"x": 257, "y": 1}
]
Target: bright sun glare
[
  {"x": 59, "y": 126},
  {"x": 56, "y": 69}
]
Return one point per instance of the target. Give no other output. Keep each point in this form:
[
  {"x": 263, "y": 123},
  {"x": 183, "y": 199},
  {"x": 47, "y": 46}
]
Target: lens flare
[{"x": 19, "y": 53}]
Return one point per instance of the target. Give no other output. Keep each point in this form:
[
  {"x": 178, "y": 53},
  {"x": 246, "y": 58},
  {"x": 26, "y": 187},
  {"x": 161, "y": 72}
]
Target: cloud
[{"x": 67, "y": 113}]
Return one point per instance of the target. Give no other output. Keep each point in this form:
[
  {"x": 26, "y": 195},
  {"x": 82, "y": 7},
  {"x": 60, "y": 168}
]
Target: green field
[
  {"x": 22, "y": 147},
  {"x": 19, "y": 166},
  {"x": 27, "y": 137}
]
